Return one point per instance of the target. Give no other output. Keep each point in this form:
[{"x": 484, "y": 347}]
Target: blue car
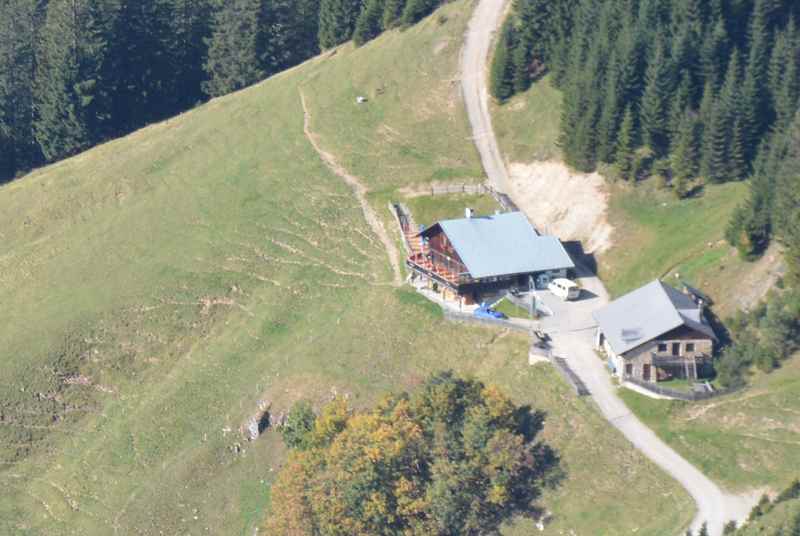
[{"x": 485, "y": 311}]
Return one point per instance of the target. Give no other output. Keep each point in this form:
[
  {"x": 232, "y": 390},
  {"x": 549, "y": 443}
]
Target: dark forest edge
[{"x": 75, "y": 74}]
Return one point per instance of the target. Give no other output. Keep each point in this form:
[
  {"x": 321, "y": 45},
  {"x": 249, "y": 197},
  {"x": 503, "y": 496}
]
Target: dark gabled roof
[
  {"x": 503, "y": 244},
  {"x": 647, "y": 313}
]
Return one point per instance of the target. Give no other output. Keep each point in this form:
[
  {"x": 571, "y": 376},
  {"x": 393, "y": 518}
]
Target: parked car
[
  {"x": 564, "y": 289},
  {"x": 484, "y": 311}
]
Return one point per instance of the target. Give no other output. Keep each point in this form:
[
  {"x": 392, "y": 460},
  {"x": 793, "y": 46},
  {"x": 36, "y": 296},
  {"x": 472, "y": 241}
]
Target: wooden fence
[{"x": 475, "y": 189}]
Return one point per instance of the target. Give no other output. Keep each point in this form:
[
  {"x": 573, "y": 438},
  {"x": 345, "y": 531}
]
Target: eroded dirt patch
[{"x": 570, "y": 205}]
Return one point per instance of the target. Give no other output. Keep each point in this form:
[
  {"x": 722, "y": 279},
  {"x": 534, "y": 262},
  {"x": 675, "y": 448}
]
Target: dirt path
[
  {"x": 576, "y": 344},
  {"x": 360, "y": 192}
]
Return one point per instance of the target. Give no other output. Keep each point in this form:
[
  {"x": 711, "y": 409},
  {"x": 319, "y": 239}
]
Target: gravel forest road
[{"x": 576, "y": 345}]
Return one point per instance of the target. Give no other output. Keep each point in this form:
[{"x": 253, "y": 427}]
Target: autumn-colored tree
[{"x": 454, "y": 457}]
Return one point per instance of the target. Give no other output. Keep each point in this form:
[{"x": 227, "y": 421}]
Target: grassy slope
[
  {"x": 656, "y": 235},
  {"x": 527, "y": 125},
  {"x": 209, "y": 262},
  {"x": 743, "y": 440}
]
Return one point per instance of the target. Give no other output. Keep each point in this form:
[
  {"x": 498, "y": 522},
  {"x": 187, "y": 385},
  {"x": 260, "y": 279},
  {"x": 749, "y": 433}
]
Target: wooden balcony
[{"x": 439, "y": 267}]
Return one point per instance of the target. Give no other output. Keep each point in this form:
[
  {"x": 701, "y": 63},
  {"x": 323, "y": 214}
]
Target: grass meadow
[
  {"x": 743, "y": 440},
  {"x": 157, "y": 288}
]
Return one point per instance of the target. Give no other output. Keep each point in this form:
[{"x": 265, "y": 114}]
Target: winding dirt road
[
  {"x": 575, "y": 339},
  {"x": 474, "y": 64}
]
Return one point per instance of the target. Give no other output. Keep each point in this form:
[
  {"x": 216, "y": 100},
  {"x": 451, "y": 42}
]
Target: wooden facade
[{"x": 438, "y": 262}]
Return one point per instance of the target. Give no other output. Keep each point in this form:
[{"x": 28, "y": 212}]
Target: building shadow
[{"x": 583, "y": 261}]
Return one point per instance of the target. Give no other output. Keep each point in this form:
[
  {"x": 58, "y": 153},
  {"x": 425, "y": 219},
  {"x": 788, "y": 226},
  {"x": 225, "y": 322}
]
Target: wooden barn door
[{"x": 646, "y": 372}]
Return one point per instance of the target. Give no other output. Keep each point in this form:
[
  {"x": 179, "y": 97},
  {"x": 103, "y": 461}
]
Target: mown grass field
[
  {"x": 749, "y": 439},
  {"x": 157, "y": 288}
]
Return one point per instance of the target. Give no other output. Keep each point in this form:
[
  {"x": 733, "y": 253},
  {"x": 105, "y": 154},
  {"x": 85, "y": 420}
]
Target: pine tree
[
  {"x": 337, "y": 19},
  {"x": 623, "y": 158},
  {"x": 654, "y": 106},
  {"x": 233, "y": 61},
  {"x": 368, "y": 25},
  {"x": 500, "y": 82},
  {"x": 392, "y": 12}
]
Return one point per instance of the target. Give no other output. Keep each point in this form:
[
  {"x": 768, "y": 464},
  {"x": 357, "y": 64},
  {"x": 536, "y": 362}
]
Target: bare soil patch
[{"x": 570, "y": 205}]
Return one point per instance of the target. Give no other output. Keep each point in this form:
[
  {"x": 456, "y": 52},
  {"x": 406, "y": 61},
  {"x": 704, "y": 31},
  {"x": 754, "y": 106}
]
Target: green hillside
[
  {"x": 157, "y": 288},
  {"x": 746, "y": 440}
]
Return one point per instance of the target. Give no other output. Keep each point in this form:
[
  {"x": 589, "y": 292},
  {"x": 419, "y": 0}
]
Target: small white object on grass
[{"x": 361, "y": 100}]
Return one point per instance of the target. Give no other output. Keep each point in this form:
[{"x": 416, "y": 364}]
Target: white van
[{"x": 564, "y": 289}]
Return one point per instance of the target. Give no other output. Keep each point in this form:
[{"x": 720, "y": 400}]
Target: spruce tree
[
  {"x": 737, "y": 161},
  {"x": 276, "y": 37},
  {"x": 69, "y": 57},
  {"x": 623, "y": 158},
  {"x": 190, "y": 30},
  {"x": 716, "y": 132},
  {"x": 306, "y": 28},
  {"x": 655, "y": 101},
  {"x": 138, "y": 71},
  {"x": 713, "y": 53},
  {"x": 233, "y": 61},
  {"x": 681, "y": 101},
  {"x": 500, "y": 81},
  {"x": 415, "y": 10},
  {"x": 337, "y": 19},
  {"x": 521, "y": 66},
  {"x": 368, "y": 25},
  {"x": 392, "y": 11},
  {"x": 684, "y": 153},
  {"x": 19, "y": 26},
  {"x": 610, "y": 114}
]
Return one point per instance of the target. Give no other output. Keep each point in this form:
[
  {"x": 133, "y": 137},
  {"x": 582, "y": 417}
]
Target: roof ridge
[{"x": 675, "y": 311}]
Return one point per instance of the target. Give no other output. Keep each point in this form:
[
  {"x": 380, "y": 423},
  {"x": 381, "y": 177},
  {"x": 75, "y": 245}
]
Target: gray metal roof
[
  {"x": 504, "y": 244},
  {"x": 647, "y": 313}
]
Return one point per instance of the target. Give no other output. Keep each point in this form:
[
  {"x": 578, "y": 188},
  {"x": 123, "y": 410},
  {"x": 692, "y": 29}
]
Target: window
[
  {"x": 690, "y": 347},
  {"x": 662, "y": 347}
]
